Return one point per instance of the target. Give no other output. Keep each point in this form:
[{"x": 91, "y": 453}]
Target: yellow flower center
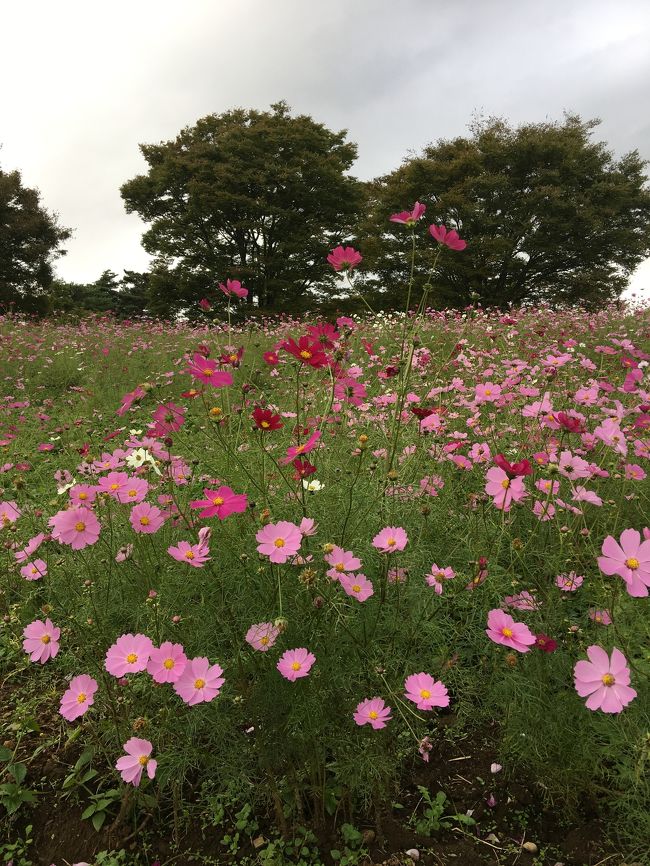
[
  {"x": 505, "y": 483},
  {"x": 189, "y": 554},
  {"x": 305, "y": 354},
  {"x": 199, "y": 684},
  {"x": 208, "y": 371},
  {"x": 296, "y": 666},
  {"x": 45, "y": 639},
  {"x": 632, "y": 563},
  {"x": 506, "y": 632},
  {"x": 264, "y": 640},
  {"x": 132, "y": 658},
  {"x": 83, "y": 496},
  {"x": 133, "y": 493},
  {"x": 488, "y": 391},
  {"x": 168, "y": 664},
  {"x": 339, "y": 567},
  {"x": 265, "y": 424},
  {"x": 218, "y": 500},
  {"x": 81, "y": 697},
  {"x": 356, "y": 588},
  {"x": 373, "y": 715},
  {"x": 608, "y": 680},
  {"x": 80, "y": 526},
  {"x": 143, "y": 760},
  {"x": 425, "y": 693},
  {"x": 144, "y": 521},
  {"x": 279, "y": 542},
  {"x": 115, "y": 486},
  {"x": 391, "y": 542},
  {"x": 232, "y": 357}
]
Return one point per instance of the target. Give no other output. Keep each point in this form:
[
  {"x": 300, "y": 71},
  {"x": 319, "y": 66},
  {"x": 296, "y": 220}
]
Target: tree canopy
[
  {"x": 256, "y": 196},
  {"x": 547, "y": 212},
  {"x": 30, "y": 240}
]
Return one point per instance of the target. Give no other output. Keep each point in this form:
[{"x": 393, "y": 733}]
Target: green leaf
[
  {"x": 18, "y": 771},
  {"x": 88, "y": 811},
  {"x": 98, "y": 819},
  {"x": 5, "y": 754}
]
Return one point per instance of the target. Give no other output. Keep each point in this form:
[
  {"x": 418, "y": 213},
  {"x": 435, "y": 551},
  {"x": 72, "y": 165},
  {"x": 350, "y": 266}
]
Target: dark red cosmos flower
[
  {"x": 231, "y": 358},
  {"x": 303, "y": 468},
  {"x": 193, "y": 392},
  {"x": 324, "y": 334},
  {"x": 422, "y": 412},
  {"x": 271, "y": 358},
  {"x": 522, "y": 467},
  {"x": 306, "y": 350},
  {"x": 266, "y": 420},
  {"x": 569, "y": 423},
  {"x": 545, "y": 643},
  {"x": 204, "y": 350}
]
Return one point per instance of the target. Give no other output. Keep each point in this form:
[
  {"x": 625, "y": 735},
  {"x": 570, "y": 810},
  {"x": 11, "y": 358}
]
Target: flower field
[{"x": 270, "y": 589}]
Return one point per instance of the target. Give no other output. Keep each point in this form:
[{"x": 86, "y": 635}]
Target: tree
[
  {"x": 256, "y": 196},
  {"x": 30, "y": 238},
  {"x": 548, "y": 214}
]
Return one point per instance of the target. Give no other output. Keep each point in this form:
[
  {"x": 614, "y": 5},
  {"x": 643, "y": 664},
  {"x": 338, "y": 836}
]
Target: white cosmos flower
[{"x": 312, "y": 486}]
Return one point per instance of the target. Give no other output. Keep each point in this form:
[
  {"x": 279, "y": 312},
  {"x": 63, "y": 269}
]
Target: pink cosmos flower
[
  {"x": 606, "y": 682},
  {"x": 390, "y": 539},
  {"x": 438, "y": 575},
  {"x": 146, "y": 518},
  {"x": 630, "y": 560},
  {"x": 295, "y": 663},
  {"x": 262, "y": 636},
  {"x": 298, "y": 450},
  {"x": 34, "y": 570},
  {"x": 129, "y": 655},
  {"x": 234, "y": 287},
  {"x": 137, "y": 758},
  {"x": 78, "y": 697},
  {"x": 448, "y": 238},
  {"x": 611, "y": 434},
  {"x": 342, "y": 561},
  {"x": 31, "y": 547},
  {"x": 409, "y": 218},
  {"x": 134, "y": 491},
  {"x": 195, "y": 555},
  {"x": 522, "y": 601},
  {"x": 167, "y": 662},
  {"x": 425, "y": 692},
  {"x": 357, "y": 586},
  {"x": 279, "y": 541},
  {"x": 308, "y": 526},
  {"x": 502, "y": 629},
  {"x": 633, "y": 472},
  {"x": 344, "y": 258},
  {"x": 82, "y": 494},
  {"x": 373, "y": 712},
  {"x": 220, "y": 503},
  {"x": 41, "y": 640},
  {"x": 569, "y": 582},
  {"x": 9, "y": 513},
  {"x": 112, "y": 483},
  {"x": 543, "y": 510},
  {"x": 486, "y": 392},
  {"x": 205, "y": 370},
  {"x": 77, "y": 527},
  {"x": 200, "y": 682},
  {"x": 502, "y": 489},
  {"x": 129, "y": 399},
  {"x": 602, "y": 617}
]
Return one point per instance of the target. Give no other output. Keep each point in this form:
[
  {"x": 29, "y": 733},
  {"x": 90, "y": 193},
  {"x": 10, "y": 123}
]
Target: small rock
[
  {"x": 531, "y": 847},
  {"x": 413, "y": 853}
]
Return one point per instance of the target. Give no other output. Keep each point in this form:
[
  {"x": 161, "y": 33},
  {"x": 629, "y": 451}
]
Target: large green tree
[
  {"x": 30, "y": 240},
  {"x": 256, "y": 196},
  {"x": 548, "y": 214}
]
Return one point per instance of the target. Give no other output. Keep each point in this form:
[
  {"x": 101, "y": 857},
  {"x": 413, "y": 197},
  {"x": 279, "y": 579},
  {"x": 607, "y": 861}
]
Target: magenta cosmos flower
[
  {"x": 262, "y": 636},
  {"x": 146, "y": 518},
  {"x": 78, "y": 697},
  {"x": 295, "y": 663},
  {"x": 357, "y": 586},
  {"x": 200, "y": 682},
  {"x": 234, "y": 287},
  {"x": 448, "y": 238},
  {"x": 502, "y": 489},
  {"x": 344, "y": 258},
  {"x": 298, "y": 450},
  {"x": 129, "y": 654},
  {"x": 41, "y": 640},
  {"x": 504, "y": 630},
  {"x": 279, "y": 541},
  {"x": 77, "y": 527},
  {"x": 425, "y": 692},
  {"x": 138, "y": 756},
  {"x": 167, "y": 662},
  {"x": 390, "y": 539},
  {"x": 630, "y": 560},
  {"x": 193, "y": 554},
  {"x": 205, "y": 370},
  {"x": 220, "y": 503},
  {"x": 373, "y": 712},
  {"x": 409, "y": 218},
  {"x": 605, "y": 681}
]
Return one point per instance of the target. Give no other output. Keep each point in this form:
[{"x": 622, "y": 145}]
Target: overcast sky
[{"x": 84, "y": 83}]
